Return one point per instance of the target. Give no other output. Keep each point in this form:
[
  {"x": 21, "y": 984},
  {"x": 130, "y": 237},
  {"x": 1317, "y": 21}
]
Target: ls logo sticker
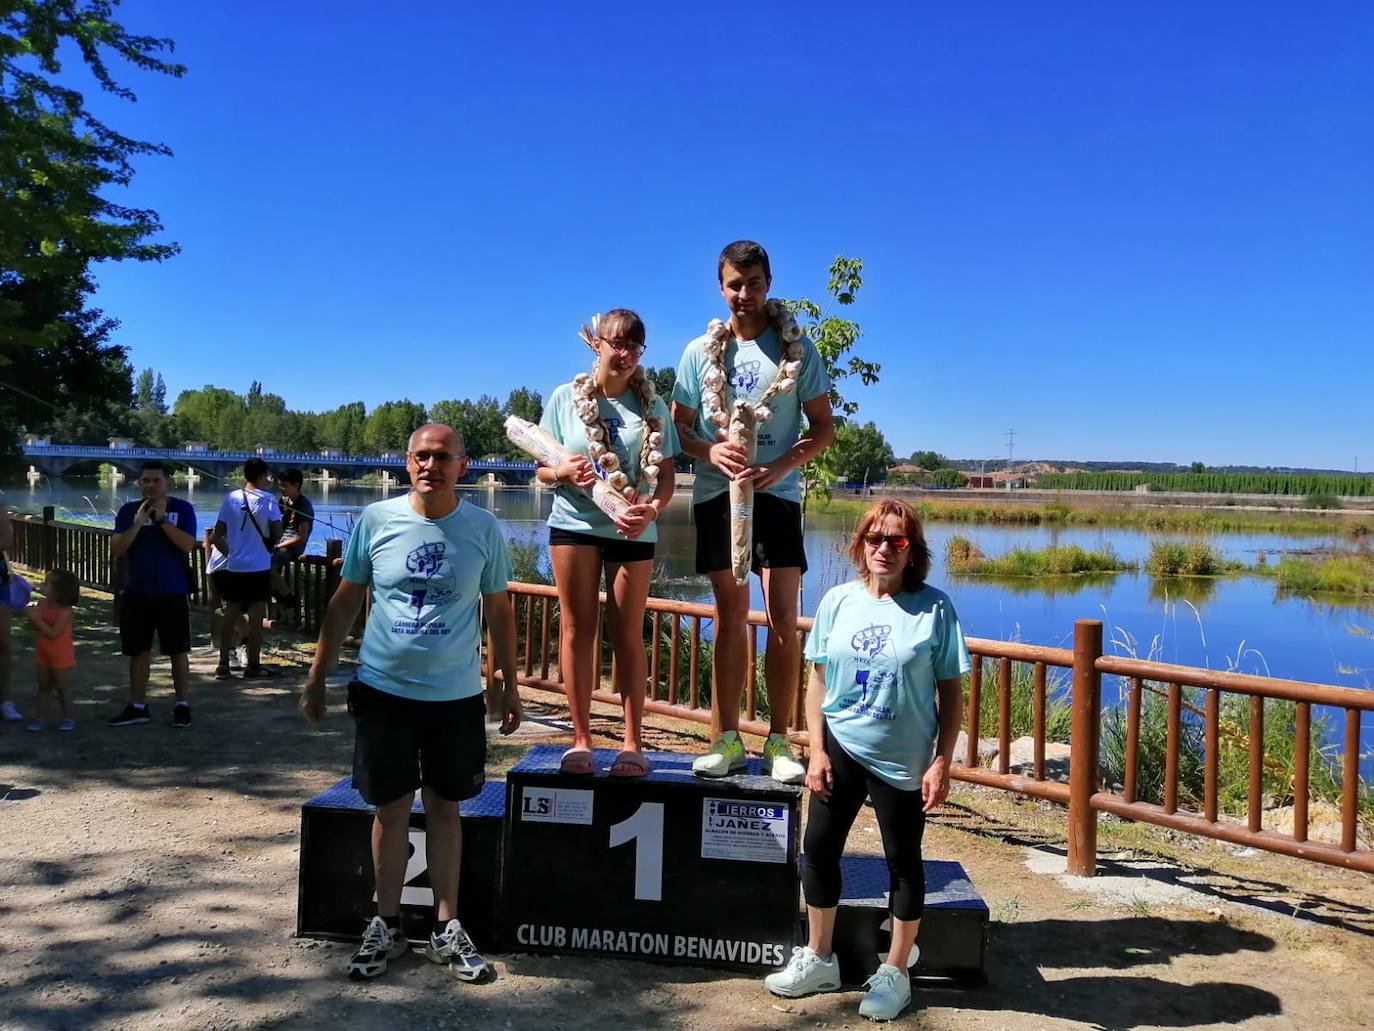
[
  {"x": 744, "y": 377},
  {"x": 871, "y": 641}
]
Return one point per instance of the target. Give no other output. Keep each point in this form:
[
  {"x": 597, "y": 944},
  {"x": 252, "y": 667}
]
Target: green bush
[
  {"x": 1180, "y": 558},
  {"x": 1351, "y": 573},
  {"x": 1321, "y": 501}
]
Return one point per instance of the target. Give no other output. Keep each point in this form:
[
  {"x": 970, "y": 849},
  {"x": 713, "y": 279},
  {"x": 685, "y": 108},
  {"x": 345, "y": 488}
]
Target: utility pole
[{"x": 1011, "y": 444}]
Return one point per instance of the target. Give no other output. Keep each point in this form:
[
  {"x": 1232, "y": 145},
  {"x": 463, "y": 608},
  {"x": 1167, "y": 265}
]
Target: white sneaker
[
  {"x": 453, "y": 947},
  {"x": 889, "y": 992},
  {"x": 783, "y": 765},
  {"x": 725, "y": 757},
  {"x": 380, "y": 943},
  {"x": 805, "y": 974},
  {"x": 10, "y": 713}
]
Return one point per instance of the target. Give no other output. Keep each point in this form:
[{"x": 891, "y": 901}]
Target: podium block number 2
[
  {"x": 412, "y": 894},
  {"x": 644, "y": 827}
]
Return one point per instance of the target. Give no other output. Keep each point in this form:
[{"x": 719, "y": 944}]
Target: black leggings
[{"x": 828, "y": 821}]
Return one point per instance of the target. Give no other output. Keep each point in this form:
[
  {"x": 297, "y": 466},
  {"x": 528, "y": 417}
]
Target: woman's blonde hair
[{"x": 917, "y": 566}]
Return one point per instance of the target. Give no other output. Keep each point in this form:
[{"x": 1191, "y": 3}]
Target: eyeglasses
[
  {"x": 623, "y": 346},
  {"x": 899, "y": 541},
  {"x": 421, "y": 457}
]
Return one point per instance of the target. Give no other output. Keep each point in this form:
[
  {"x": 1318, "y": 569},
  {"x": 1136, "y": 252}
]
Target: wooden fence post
[
  {"x": 1083, "y": 747},
  {"x": 333, "y": 554},
  {"x": 48, "y": 551}
]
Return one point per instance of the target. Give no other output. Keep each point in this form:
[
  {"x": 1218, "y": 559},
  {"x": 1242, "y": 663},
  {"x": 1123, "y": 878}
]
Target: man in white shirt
[{"x": 248, "y": 527}]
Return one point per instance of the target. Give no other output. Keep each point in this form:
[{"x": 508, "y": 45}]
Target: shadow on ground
[{"x": 1247, "y": 890}]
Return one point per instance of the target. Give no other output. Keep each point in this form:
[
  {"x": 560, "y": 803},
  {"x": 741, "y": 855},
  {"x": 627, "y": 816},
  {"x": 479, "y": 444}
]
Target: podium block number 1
[{"x": 644, "y": 827}]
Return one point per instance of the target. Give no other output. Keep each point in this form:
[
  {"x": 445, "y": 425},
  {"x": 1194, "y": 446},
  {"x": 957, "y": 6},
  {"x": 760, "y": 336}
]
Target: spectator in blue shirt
[{"x": 152, "y": 539}]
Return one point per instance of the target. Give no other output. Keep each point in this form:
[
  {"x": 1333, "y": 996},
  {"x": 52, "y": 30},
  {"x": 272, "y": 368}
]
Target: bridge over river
[{"x": 55, "y": 460}]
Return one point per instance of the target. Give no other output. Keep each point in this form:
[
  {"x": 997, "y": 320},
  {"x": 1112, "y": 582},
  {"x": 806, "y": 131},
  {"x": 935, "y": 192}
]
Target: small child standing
[{"x": 54, "y": 654}]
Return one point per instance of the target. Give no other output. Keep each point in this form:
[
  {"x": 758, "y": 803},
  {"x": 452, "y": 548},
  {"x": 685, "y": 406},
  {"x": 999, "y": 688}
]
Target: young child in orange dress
[{"x": 54, "y": 654}]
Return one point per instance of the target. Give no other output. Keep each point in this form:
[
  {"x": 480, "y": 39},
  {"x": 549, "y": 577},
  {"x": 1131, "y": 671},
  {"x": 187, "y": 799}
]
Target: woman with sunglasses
[
  {"x": 882, "y": 712},
  {"x": 618, "y": 430}
]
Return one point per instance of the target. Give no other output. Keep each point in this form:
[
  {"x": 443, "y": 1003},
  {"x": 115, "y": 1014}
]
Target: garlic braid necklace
[
  {"x": 718, "y": 334},
  {"x": 604, "y": 459}
]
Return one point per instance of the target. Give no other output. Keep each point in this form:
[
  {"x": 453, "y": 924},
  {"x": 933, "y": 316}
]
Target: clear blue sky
[{"x": 1128, "y": 231}]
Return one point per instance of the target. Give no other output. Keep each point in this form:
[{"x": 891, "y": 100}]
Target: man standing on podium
[
  {"x": 417, "y": 704},
  {"x": 749, "y": 367}
]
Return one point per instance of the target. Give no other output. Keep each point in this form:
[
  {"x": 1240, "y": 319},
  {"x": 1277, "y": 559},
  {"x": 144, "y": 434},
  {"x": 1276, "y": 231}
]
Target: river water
[{"x": 1243, "y": 624}]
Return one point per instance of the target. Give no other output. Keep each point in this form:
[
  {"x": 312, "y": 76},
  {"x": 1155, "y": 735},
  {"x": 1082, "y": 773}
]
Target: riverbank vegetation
[
  {"x": 1177, "y": 520},
  {"x": 964, "y": 557},
  {"x": 1350, "y": 573}
]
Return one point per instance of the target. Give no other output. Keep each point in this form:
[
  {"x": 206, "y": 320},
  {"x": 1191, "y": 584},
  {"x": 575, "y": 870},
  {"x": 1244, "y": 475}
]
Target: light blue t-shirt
[
  {"x": 750, "y": 367},
  {"x": 573, "y": 510},
  {"x": 882, "y": 658},
  {"x": 427, "y": 577}
]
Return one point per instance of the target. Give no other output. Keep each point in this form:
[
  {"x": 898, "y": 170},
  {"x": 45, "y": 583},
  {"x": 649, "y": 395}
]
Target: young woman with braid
[{"x": 618, "y": 430}]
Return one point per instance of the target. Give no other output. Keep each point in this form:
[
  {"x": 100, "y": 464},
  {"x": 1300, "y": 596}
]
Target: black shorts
[
  {"x": 777, "y": 534},
  {"x": 243, "y": 588},
  {"x": 402, "y": 743},
  {"x": 140, "y": 617},
  {"x": 613, "y": 549}
]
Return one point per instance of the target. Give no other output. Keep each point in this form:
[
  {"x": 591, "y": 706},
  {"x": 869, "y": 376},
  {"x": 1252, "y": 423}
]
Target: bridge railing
[
  {"x": 1212, "y": 725},
  {"x": 274, "y": 458}
]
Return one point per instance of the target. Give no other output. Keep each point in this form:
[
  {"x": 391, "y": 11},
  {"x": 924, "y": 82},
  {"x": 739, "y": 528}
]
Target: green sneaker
[
  {"x": 783, "y": 765},
  {"x": 725, "y": 757}
]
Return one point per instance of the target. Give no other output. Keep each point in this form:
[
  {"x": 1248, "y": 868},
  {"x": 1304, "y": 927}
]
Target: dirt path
[{"x": 148, "y": 880}]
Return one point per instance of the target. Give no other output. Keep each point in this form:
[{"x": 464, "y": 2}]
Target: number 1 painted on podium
[{"x": 644, "y": 825}]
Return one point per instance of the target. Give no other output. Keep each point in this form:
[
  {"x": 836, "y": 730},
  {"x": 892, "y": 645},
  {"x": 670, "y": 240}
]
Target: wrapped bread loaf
[
  {"x": 536, "y": 443},
  {"x": 744, "y": 431}
]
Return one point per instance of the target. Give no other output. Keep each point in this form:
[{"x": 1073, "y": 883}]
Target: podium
[
  {"x": 953, "y": 935},
  {"x": 667, "y": 867},
  {"x": 336, "y": 895}
]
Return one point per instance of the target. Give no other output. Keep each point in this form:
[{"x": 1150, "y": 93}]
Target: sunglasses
[
  {"x": 421, "y": 457},
  {"x": 899, "y": 541}
]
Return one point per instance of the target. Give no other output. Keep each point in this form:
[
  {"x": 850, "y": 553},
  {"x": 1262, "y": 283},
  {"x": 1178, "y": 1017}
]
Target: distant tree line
[{"x": 1298, "y": 484}]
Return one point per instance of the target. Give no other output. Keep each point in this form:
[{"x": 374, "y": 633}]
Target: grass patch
[
  {"x": 1059, "y": 513},
  {"x": 1187, "y": 558},
  {"x": 1351, "y": 573},
  {"x": 964, "y": 557}
]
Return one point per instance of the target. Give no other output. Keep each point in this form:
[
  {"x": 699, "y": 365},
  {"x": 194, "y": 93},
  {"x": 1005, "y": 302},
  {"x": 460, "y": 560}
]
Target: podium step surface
[
  {"x": 953, "y": 935},
  {"x": 668, "y": 867},
  {"x": 336, "y": 894}
]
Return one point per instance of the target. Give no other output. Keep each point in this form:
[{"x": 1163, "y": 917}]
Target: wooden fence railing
[
  {"x": 44, "y": 543},
  {"x": 678, "y": 686},
  {"x": 1193, "y": 700}
]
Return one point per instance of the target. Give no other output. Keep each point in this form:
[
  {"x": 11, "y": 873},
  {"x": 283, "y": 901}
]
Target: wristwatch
[{"x": 158, "y": 520}]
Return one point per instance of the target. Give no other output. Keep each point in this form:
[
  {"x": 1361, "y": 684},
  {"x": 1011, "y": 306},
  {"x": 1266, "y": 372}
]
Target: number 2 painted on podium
[{"x": 645, "y": 827}]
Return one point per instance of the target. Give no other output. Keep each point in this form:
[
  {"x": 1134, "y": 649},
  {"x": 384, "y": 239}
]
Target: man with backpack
[{"x": 247, "y": 529}]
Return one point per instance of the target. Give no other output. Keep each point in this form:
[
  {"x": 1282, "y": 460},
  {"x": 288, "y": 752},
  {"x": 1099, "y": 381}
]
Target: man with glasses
[
  {"x": 420, "y": 720},
  {"x": 750, "y": 362}
]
